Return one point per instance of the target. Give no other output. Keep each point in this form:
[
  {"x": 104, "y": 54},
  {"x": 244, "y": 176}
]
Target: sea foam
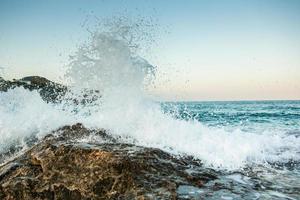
[{"x": 108, "y": 64}]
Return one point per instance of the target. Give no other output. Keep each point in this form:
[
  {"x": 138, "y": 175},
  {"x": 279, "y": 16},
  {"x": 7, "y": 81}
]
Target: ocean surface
[
  {"x": 273, "y": 179},
  {"x": 249, "y": 116}
]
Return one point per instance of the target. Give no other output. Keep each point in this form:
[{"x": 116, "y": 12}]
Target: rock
[
  {"x": 49, "y": 91},
  {"x": 36, "y": 80},
  {"x": 63, "y": 166}
]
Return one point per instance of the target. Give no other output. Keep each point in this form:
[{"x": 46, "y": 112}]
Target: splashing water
[
  {"x": 109, "y": 64},
  {"x": 24, "y": 114}
]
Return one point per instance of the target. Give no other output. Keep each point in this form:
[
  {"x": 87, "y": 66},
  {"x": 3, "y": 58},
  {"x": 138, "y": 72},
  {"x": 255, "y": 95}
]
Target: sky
[{"x": 204, "y": 49}]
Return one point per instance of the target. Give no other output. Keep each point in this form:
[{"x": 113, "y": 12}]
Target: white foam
[
  {"x": 126, "y": 111},
  {"x": 108, "y": 64},
  {"x": 23, "y": 113}
]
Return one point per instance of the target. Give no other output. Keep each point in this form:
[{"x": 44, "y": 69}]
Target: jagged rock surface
[
  {"x": 62, "y": 166},
  {"x": 49, "y": 91}
]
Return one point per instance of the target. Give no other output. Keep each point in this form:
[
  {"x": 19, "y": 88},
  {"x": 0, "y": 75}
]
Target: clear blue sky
[{"x": 214, "y": 50}]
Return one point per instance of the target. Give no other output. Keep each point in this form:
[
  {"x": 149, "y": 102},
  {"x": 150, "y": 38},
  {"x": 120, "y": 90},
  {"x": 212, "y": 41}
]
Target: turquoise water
[
  {"x": 256, "y": 116},
  {"x": 279, "y": 180}
]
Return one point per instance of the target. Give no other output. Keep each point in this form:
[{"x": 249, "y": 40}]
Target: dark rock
[
  {"x": 49, "y": 91},
  {"x": 61, "y": 166}
]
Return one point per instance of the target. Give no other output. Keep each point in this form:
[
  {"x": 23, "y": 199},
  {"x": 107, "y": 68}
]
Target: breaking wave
[{"x": 107, "y": 63}]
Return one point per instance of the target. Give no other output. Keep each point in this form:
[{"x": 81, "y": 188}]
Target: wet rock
[
  {"x": 63, "y": 166},
  {"x": 49, "y": 91}
]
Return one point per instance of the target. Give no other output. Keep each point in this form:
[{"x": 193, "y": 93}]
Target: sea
[{"x": 272, "y": 167}]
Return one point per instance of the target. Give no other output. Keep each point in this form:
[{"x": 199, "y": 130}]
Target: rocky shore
[
  {"x": 67, "y": 165},
  {"x": 74, "y": 162},
  {"x": 63, "y": 166}
]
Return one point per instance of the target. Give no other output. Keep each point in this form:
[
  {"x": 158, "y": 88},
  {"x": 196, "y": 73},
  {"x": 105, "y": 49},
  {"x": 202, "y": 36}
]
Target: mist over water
[{"x": 109, "y": 63}]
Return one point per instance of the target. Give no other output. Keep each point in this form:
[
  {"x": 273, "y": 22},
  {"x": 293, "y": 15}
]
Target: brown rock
[
  {"x": 62, "y": 167},
  {"x": 49, "y": 91}
]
